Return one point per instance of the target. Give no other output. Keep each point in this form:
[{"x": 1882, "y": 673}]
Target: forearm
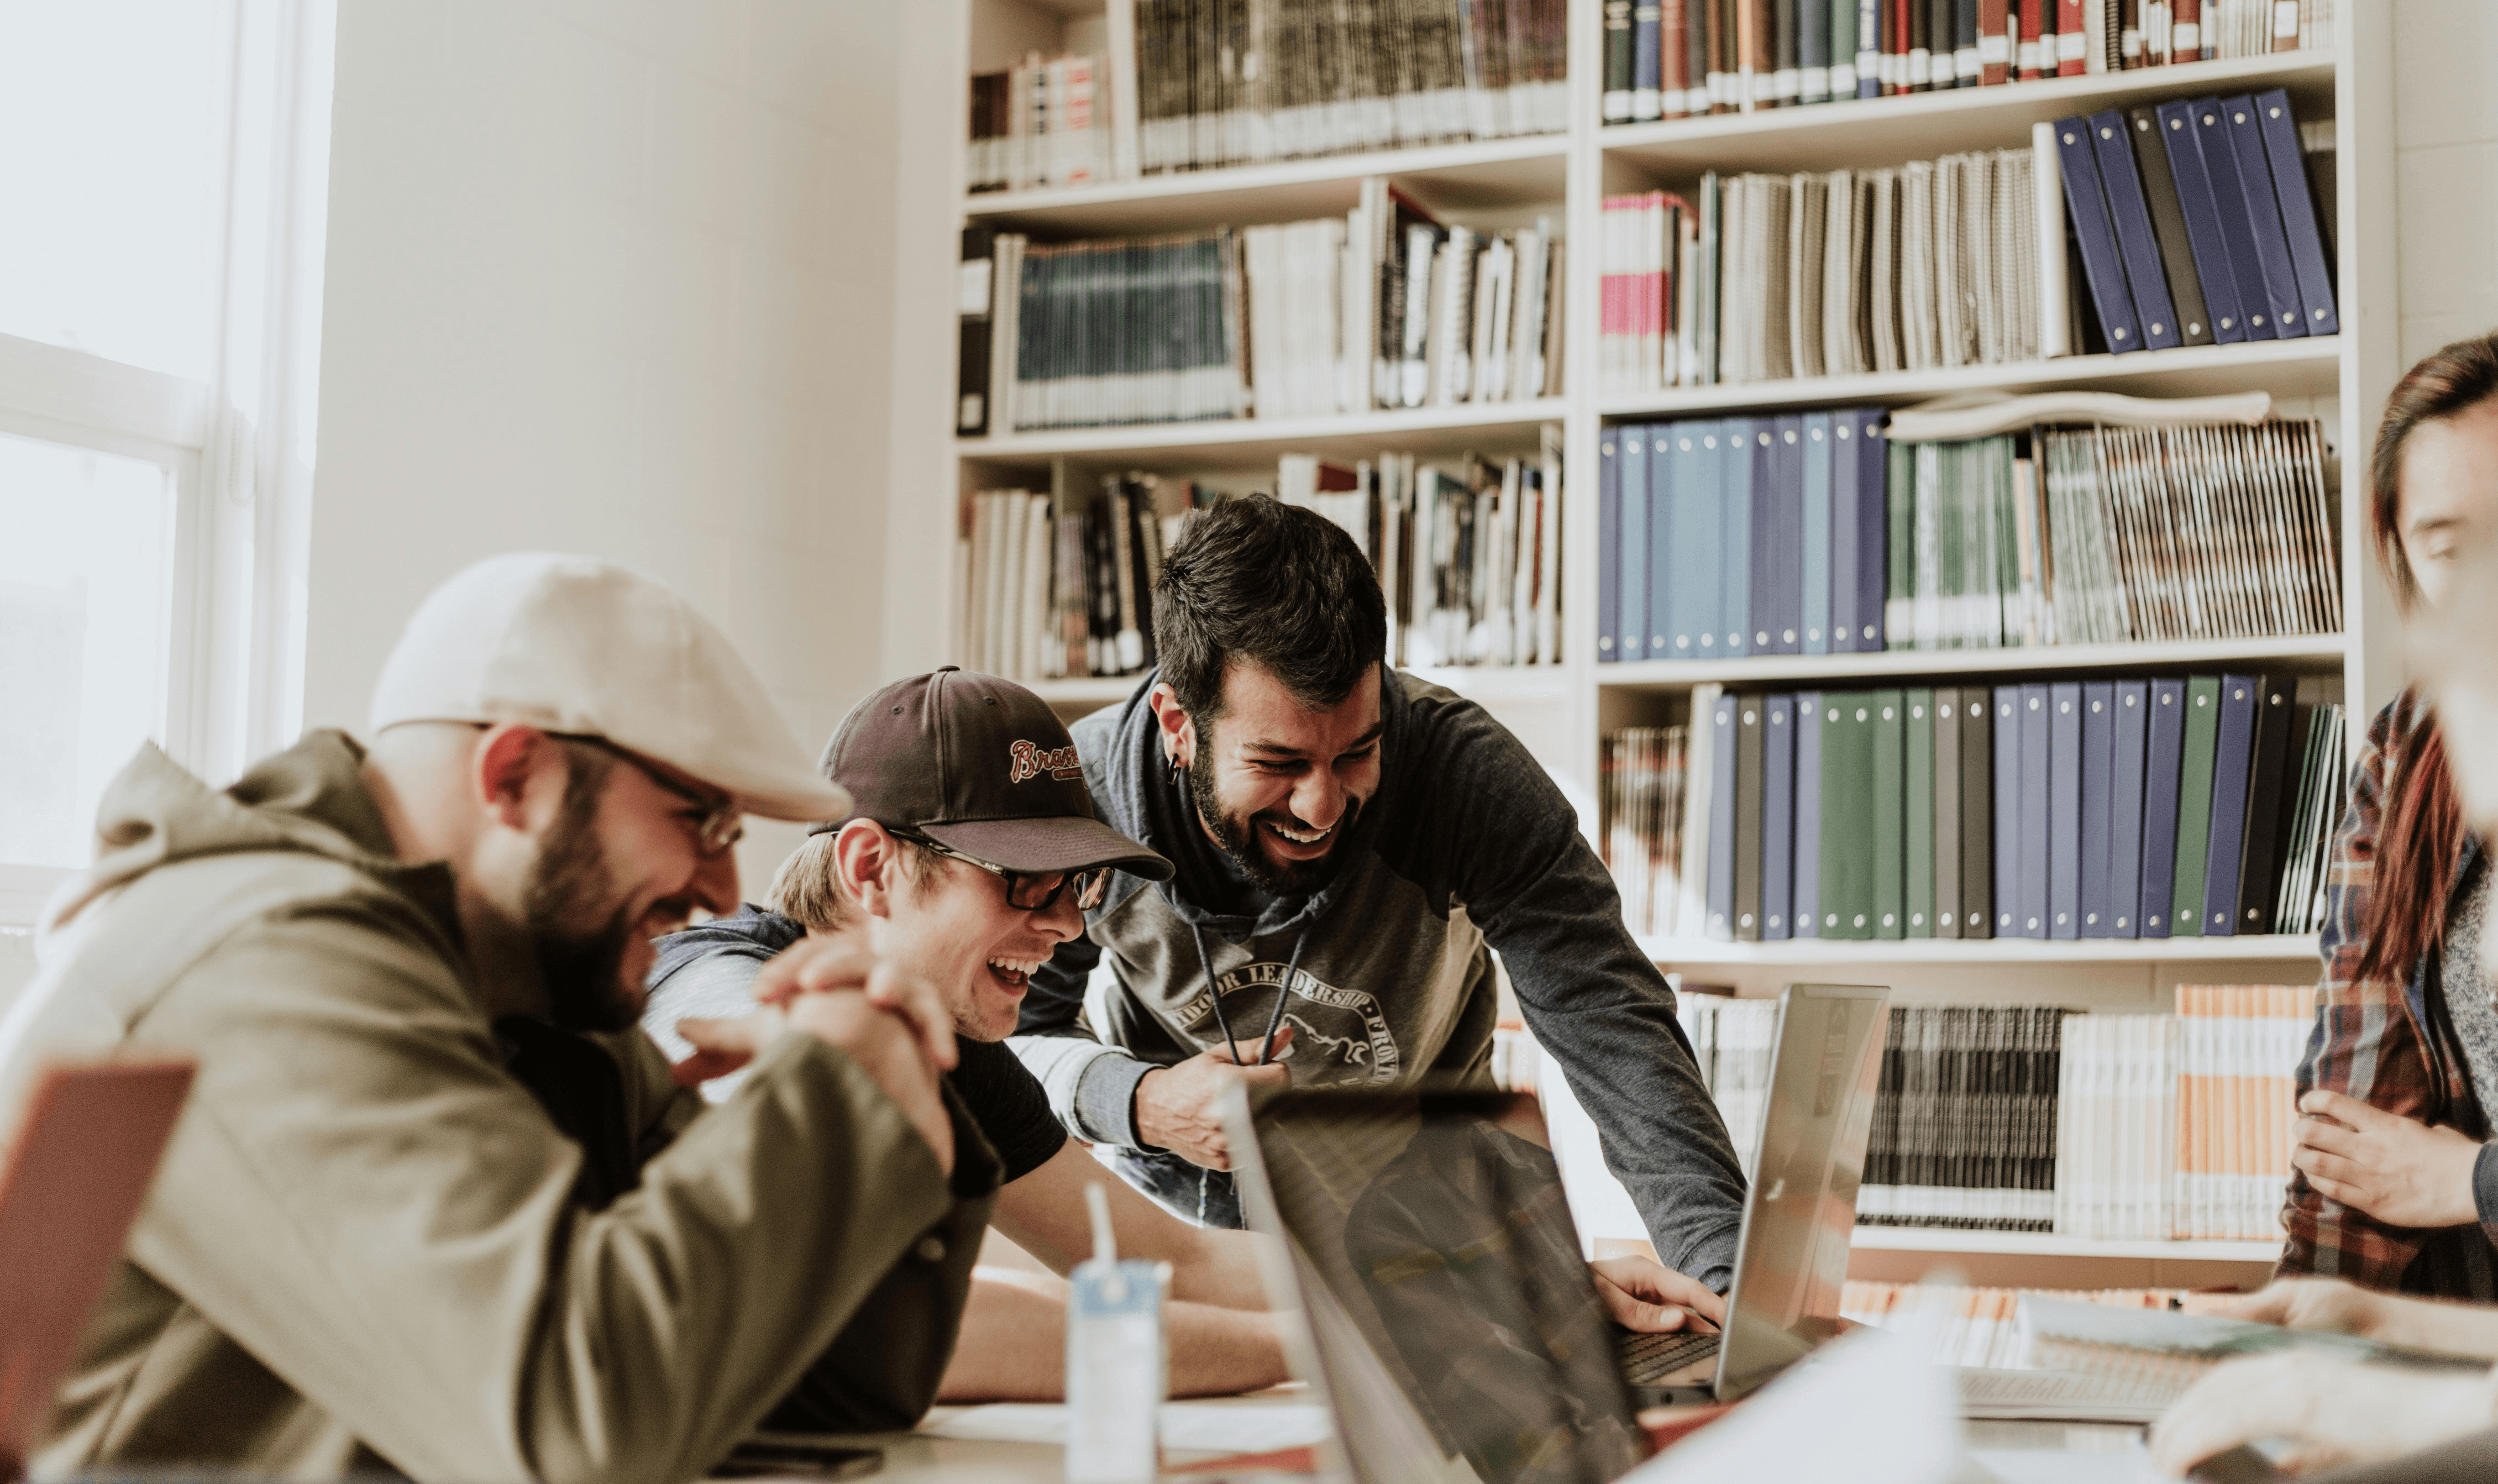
[
  {"x": 1014, "y": 1344},
  {"x": 1221, "y": 1270}
]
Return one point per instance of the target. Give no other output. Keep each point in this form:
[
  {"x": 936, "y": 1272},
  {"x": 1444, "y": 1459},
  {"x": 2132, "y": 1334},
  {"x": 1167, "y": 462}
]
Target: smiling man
[{"x": 1351, "y": 847}]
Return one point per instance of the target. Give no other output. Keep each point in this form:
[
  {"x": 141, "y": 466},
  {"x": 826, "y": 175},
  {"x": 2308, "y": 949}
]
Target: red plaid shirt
[{"x": 2390, "y": 1044}]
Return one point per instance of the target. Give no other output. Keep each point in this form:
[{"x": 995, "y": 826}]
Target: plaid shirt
[{"x": 2392, "y": 1046}]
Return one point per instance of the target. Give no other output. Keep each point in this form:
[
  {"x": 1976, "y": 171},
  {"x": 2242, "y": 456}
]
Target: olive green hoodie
[{"x": 364, "y": 1250}]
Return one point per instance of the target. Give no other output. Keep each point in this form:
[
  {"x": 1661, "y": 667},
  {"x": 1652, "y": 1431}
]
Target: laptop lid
[
  {"x": 71, "y": 1180},
  {"x": 1792, "y": 1263},
  {"x": 1451, "y": 1314}
]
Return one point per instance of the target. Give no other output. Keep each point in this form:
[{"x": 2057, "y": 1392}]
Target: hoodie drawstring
[{"x": 1265, "y": 1051}]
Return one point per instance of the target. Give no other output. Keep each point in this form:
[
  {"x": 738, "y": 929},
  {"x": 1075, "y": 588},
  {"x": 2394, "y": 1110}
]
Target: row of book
[
  {"x": 1720, "y": 539},
  {"x": 2162, "y": 808},
  {"x": 1050, "y": 589},
  {"x": 1981, "y": 1327},
  {"x": 1964, "y": 1129},
  {"x": 2180, "y": 1126},
  {"x": 1682, "y": 59},
  {"x": 1043, "y": 122}
]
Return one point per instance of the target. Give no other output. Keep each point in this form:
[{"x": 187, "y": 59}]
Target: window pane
[
  {"x": 115, "y": 176},
  {"x": 85, "y": 622}
]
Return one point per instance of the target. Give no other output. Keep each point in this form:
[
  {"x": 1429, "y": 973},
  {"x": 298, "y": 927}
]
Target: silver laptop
[{"x": 1426, "y": 1244}]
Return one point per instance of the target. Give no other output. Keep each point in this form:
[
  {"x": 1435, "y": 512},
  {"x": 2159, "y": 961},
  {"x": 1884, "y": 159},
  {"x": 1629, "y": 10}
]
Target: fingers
[
  {"x": 2271, "y": 1305},
  {"x": 2237, "y": 1402},
  {"x": 1661, "y": 1287},
  {"x": 813, "y": 965},
  {"x": 2335, "y": 1190},
  {"x": 702, "y": 1065},
  {"x": 2329, "y": 1136},
  {"x": 1245, "y": 1053},
  {"x": 2331, "y": 1167},
  {"x": 916, "y": 1001},
  {"x": 2342, "y": 1108}
]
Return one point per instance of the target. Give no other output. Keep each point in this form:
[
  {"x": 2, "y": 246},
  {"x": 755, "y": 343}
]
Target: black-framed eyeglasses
[
  {"x": 1030, "y": 891},
  {"x": 720, "y": 824}
]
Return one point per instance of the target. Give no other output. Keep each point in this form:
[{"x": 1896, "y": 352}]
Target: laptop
[
  {"x": 74, "y": 1175},
  {"x": 1449, "y": 1310}
]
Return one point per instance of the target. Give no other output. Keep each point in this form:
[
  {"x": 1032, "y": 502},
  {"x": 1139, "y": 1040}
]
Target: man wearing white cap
[{"x": 369, "y": 1247}]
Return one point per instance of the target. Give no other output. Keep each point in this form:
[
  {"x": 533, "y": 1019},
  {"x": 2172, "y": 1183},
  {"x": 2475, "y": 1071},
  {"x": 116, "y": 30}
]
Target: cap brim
[
  {"x": 809, "y": 801},
  {"x": 1063, "y": 843}
]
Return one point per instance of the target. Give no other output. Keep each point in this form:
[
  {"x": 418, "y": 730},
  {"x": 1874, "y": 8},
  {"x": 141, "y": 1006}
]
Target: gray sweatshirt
[{"x": 1466, "y": 848}]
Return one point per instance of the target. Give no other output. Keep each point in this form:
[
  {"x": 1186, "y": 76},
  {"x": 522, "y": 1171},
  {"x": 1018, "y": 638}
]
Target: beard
[
  {"x": 1239, "y": 837},
  {"x": 581, "y": 970}
]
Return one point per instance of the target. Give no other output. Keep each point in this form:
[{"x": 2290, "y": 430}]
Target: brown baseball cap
[{"x": 981, "y": 765}]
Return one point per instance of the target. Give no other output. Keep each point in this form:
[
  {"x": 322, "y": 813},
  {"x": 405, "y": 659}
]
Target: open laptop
[
  {"x": 75, "y": 1170},
  {"x": 1450, "y": 1311}
]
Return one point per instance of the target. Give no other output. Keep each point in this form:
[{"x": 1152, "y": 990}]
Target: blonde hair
[{"x": 808, "y": 887}]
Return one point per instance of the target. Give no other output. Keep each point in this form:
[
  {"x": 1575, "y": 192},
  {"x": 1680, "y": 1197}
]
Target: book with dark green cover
[
  {"x": 1917, "y": 805},
  {"x": 1890, "y": 818},
  {"x": 2194, "y": 805},
  {"x": 1846, "y": 815},
  {"x": 1749, "y": 775},
  {"x": 1946, "y": 826}
]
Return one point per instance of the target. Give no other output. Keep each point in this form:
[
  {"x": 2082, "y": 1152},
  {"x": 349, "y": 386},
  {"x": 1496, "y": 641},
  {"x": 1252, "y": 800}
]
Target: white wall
[
  {"x": 614, "y": 277},
  {"x": 2446, "y": 141}
]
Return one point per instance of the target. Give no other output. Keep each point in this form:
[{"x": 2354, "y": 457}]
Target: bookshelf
[{"x": 1563, "y": 711}]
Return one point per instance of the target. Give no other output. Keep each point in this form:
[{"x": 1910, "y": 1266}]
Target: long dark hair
[{"x": 2422, "y": 828}]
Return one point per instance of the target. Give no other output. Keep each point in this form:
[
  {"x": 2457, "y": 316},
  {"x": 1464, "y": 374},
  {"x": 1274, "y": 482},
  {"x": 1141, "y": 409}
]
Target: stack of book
[
  {"x": 1053, "y": 589},
  {"x": 1240, "y": 81},
  {"x": 1731, "y": 1042},
  {"x": 1641, "y": 800},
  {"x": 1679, "y": 58},
  {"x": 1813, "y": 533},
  {"x": 1041, "y": 122},
  {"x": 2179, "y": 1126},
  {"x": 1983, "y": 1327},
  {"x": 2150, "y": 807},
  {"x": 1386, "y": 306},
  {"x": 1964, "y": 1130}
]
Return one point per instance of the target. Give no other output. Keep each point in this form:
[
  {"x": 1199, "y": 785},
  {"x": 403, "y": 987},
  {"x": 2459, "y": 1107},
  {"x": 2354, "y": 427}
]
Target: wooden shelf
[
  {"x": 1920, "y": 126},
  {"x": 1478, "y": 175},
  {"x": 1803, "y": 951},
  {"x": 1499, "y": 685},
  {"x": 1098, "y": 690},
  {"x": 2286, "y": 369},
  {"x": 2319, "y": 650},
  {"x": 1251, "y": 443},
  {"x": 1916, "y": 1239}
]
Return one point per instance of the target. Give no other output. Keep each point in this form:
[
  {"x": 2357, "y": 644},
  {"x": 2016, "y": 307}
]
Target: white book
[
  {"x": 1452, "y": 297},
  {"x": 2047, "y": 200},
  {"x": 1492, "y": 367},
  {"x": 1548, "y": 589},
  {"x": 1006, "y": 576},
  {"x": 1692, "y": 906},
  {"x": 1526, "y": 360},
  {"x": 1039, "y": 525}
]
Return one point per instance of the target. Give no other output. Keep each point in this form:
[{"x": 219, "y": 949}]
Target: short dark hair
[{"x": 1278, "y": 586}]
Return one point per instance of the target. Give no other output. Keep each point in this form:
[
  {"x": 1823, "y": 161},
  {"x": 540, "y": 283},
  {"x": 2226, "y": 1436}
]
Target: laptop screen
[{"x": 1435, "y": 1253}]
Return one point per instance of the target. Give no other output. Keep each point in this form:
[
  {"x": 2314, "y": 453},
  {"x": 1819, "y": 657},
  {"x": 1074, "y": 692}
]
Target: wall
[
  {"x": 614, "y": 278},
  {"x": 2446, "y": 141}
]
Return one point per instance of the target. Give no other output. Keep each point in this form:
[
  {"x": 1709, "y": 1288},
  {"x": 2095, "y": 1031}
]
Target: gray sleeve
[
  {"x": 1092, "y": 1087},
  {"x": 717, "y": 987}
]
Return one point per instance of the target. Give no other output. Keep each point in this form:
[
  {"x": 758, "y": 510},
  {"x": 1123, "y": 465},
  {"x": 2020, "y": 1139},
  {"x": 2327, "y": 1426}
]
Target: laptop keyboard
[{"x": 1646, "y": 1356}]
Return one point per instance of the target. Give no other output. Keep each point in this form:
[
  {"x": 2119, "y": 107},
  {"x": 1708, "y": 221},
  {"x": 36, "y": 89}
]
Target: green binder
[
  {"x": 1889, "y": 722},
  {"x": 1846, "y": 815},
  {"x": 1917, "y": 804},
  {"x": 2195, "y": 804}
]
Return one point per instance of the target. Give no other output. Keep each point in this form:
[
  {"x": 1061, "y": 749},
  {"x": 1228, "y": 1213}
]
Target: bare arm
[
  {"x": 1014, "y": 1344},
  {"x": 1043, "y": 1213}
]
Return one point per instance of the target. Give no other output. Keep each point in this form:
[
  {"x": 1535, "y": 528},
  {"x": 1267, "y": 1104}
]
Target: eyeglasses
[
  {"x": 719, "y": 823},
  {"x": 1030, "y": 891}
]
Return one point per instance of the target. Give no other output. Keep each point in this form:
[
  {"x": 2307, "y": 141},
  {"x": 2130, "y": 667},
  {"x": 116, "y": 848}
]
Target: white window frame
[{"x": 241, "y": 447}]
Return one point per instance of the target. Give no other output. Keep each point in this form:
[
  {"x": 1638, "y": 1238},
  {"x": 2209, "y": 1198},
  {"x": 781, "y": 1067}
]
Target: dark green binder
[
  {"x": 1917, "y": 802},
  {"x": 1889, "y": 722},
  {"x": 2195, "y": 804},
  {"x": 1846, "y": 815}
]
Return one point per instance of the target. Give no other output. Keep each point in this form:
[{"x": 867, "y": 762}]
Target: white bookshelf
[{"x": 1563, "y": 711}]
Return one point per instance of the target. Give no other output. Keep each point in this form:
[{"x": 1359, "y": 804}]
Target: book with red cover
[
  {"x": 1674, "y": 60},
  {"x": 2034, "y": 49},
  {"x": 1993, "y": 43},
  {"x": 2070, "y": 59}
]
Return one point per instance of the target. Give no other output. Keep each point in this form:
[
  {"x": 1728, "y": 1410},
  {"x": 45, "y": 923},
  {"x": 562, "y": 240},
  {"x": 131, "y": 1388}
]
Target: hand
[
  {"x": 1180, "y": 1107},
  {"x": 813, "y": 965},
  {"x": 2335, "y": 1412},
  {"x": 2329, "y": 1305},
  {"x": 1644, "y": 1294},
  {"x": 885, "y": 1045},
  {"x": 721, "y": 1047},
  {"x": 2399, "y": 1170}
]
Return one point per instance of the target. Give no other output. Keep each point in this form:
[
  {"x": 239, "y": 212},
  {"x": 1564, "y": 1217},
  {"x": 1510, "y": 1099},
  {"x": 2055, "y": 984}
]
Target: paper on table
[
  {"x": 2059, "y": 1396},
  {"x": 1191, "y": 1424},
  {"x": 2047, "y": 1466},
  {"x": 1813, "y": 1422}
]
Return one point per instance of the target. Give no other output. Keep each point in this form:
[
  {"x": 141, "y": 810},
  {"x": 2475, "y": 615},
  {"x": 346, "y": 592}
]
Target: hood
[
  {"x": 310, "y": 797},
  {"x": 1123, "y": 760},
  {"x": 751, "y": 932}
]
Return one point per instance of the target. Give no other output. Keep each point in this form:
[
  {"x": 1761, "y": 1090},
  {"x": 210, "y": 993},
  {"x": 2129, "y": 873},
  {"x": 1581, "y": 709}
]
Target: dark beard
[
  {"x": 1297, "y": 880},
  {"x": 580, "y": 971}
]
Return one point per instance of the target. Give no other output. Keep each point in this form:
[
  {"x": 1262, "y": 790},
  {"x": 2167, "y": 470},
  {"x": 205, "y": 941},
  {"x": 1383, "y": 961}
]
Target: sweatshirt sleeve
[
  {"x": 1509, "y": 844},
  {"x": 362, "y": 1199},
  {"x": 1091, "y": 1086}
]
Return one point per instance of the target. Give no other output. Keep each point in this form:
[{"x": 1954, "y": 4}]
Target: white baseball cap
[{"x": 584, "y": 647}]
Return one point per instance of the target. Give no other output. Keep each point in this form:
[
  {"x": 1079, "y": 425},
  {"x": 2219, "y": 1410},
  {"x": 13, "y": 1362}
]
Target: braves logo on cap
[{"x": 1031, "y": 762}]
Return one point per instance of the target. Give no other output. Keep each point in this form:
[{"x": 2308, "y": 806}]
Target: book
[
  {"x": 1804, "y": 915},
  {"x": 1631, "y": 628},
  {"x": 1609, "y": 539},
  {"x": 2138, "y": 247},
  {"x": 2219, "y": 162},
  {"x": 2240, "y": 699},
  {"x": 1977, "y": 914},
  {"x": 1816, "y": 534},
  {"x": 1778, "y": 817},
  {"x": 974, "y": 298},
  {"x": 2065, "y": 830},
  {"x": 2241, "y": 123},
  {"x": 2007, "y": 789},
  {"x": 1919, "y": 812},
  {"x": 2086, "y": 208},
  {"x": 1889, "y": 812},
  {"x": 2099, "y": 709},
  {"x": 1750, "y": 789},
  {"x": 2200, "y": 708},
  {"x": 2168, "y": 226},
  {"x": 2310, "y": 263},
  {"x": 2031, "y": 913},
  {"x": 2269, "y": 804},
  {"x": 1946, "y": 827}
]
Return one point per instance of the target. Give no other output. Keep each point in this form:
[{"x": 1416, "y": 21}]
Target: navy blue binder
[
  {"x": 2146, "y": 281},
  {"x": 1817, "y": 533},
  {"x": 1735, "y": 530},
  {"x": 2163, "y": 756},
  {"x": 1777, "y": 818},
  {"x": 2102, "y": 265},
  {"x": 1868, "y": 77},
  {"x": 1609, "y": 545},
  {"x": 1844, "y": 464},
  {"x": 2212, "y": 261},
  {"x": 1873, "y": 526},
  {"x": 2037, "y": 795},
  {"x": 1803, "y": 912},
  {"x": 1645, "y": 60},
  {"x": 2232, "y": 760},
  {"x": 1769, "y": 551},
  {"x": 2263, "y": 217},
  {"x": 2064, "y": 808},
  {"x": 2308, "y": 259},
  {"x": 2007, "y": 809},
  {"x": 2132, "y": 715},
  {"x": 1786, "y": 525},
  {"x": 2230, "y": 203},
  {"x": 2099, "y": 758},
  {"x": 1697, "y": 569},
  {"x": 1977, "y": 813},
  {"x": 1721, "y": 818},
  {"x": 1631, "y": 631},
  {"x": 1662, "y": 473}
]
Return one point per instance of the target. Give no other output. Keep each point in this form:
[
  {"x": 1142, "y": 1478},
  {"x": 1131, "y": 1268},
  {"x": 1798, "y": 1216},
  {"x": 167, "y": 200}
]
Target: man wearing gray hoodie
[{"x": 1351, "y": 847}]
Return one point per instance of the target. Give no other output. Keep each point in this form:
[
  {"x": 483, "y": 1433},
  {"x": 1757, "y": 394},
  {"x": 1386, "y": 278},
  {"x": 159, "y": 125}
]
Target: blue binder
[
  {"x": 2131, "y": 716},
  {"x": 2064, "y": 808},
  {"x": 1609, "y": 545},
  {"x": 2229, "y": 204},
  {"x": 1817, "y": 533},
  {"x": 2098, "y": 763},
  {"x": 2145, "y": 280},
  {"x": 2102, "y": 265},
  {"x": 1631, "y": 631},
  {"x": 2263, "y": 217},
  {"x": 1787, "y": 455},
  {"x": 1841, "y": 603},
  {"x": 2037, "y": 792},
  {"x": 1646, "y": 62},
  {"x": 1805, "y": 908},
  {"x": 1769, "y": 551},
  {"x": 2007, "y": 809},
  {"x": 1868, "y": 56},
  {"x": 1735, "y": 530},
  {"x": 2308, "y": 260},
  {"x": 1872, "y": 526},
  {"x": 2232, "y": 757},
  {"x": 1663, "y": 474},
  {"x": 1721, "y": 818},
  {"x": 1777, "y": 818},
  {"x": 2212, "y": 264},
  {"x": 1699, "y": 564},
  {"x": 2164, "y": 757}
]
